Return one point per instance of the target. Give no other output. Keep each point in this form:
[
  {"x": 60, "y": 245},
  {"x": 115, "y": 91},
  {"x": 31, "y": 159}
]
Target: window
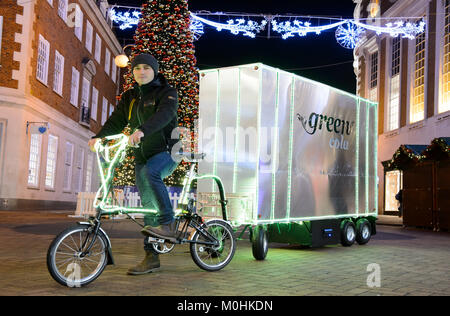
[
  {"x": 94, "y": 103},
  {"x": 79, "y": 23},
  {"x": 395, "y": 65},
  {"x": 59, "y": 73},
  {"x": 417, "y": 112},
  {"x": 113, "y": 71},
  {"x": 2, "y": 141},
  {"x": 68, "y": 160},
  {"x": 34, "y": 159},
  {"x": 52, "y": 154},
  {"x": 107, "y": 61},
  {"x": 79, "y": 171},
  {"x": 394, "y": 103},
  {"x": 89, "y": 170},
  {"x": 98, "y": 48},
  {"x": 1, "y": 31},
  {"x": 104, "y": 110},
  {"x": 89, "y": 34},
  {"x": 62, "y": 9},
  {"x": 75, "y": 87},
  {"x": 42, "y": 60},
  {"x": 445, "y": 104},
  {"x": 393, "y": 186},
  {"x": 85, "y": 95},
  {"x": 394, "y": 96},
  {"x": 373, "y": 83},
  {"x": 50, "y": 2},
  {"x": 111, "y": 109}
]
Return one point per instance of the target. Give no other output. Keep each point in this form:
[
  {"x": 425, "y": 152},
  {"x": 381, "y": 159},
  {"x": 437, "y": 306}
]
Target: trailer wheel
[
  {"x": 363, "y": 231},
  {"x": 348, "y": 233},
  {"x": 260, "y": 244}
]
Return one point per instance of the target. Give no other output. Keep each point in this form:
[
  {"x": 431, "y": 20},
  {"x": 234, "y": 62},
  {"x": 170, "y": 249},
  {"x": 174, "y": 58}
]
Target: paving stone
[{"x": 412, "y": 262}]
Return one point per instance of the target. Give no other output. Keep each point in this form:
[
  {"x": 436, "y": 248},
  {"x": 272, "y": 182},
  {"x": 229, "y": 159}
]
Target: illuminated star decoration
[
  {"x": 197, "y": 29},
  {"x": 348, "y": 35}
]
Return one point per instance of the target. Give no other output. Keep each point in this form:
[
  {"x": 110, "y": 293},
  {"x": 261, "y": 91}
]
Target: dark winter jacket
[{"x": 153, "y": 111}]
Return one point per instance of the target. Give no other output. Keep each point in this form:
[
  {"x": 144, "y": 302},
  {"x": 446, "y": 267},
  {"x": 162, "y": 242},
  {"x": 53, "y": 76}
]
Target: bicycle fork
[{"x": 94, "y": 230}]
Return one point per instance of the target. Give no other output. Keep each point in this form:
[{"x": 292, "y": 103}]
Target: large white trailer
[{"x": 297, "y": 158}]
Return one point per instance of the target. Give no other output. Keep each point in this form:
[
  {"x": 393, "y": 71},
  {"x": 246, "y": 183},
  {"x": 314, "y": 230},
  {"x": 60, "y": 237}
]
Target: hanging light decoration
[
  {"x": 125, "y": 19},
  {"x": 197, "y": 29},
  {"x": 348, "y": 33},
  {"x": 235, "y": 26}
]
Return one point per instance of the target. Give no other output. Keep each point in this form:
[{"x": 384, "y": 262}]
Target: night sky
[{"x": 305, "y": 56}]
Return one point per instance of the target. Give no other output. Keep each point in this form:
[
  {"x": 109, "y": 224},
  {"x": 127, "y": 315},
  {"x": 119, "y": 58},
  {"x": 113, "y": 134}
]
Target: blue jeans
[{"x": 153, "y": 191}]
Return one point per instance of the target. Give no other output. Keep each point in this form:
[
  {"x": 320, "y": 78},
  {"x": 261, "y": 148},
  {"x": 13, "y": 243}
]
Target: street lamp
[{"x": 122, "y": 59}]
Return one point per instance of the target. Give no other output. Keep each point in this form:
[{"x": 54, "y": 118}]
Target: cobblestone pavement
[{"x": 411, "y": 262}]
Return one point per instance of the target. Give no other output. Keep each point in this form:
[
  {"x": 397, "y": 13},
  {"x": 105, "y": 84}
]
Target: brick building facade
[
  {"x": 410, "y": 79},
  {"x": 57, "y": 71}
]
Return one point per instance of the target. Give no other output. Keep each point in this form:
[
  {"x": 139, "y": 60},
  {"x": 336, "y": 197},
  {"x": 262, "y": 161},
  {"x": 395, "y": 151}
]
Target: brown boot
[{"x": 149, "y": 264}]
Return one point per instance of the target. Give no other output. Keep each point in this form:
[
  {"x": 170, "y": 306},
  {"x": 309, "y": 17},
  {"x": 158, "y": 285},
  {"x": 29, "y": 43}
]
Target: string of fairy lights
[{"x": 349, "y": 32}]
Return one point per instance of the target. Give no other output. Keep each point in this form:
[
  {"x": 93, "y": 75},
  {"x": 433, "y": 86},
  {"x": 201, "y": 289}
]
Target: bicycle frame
[{"x": 111, "y": 155}]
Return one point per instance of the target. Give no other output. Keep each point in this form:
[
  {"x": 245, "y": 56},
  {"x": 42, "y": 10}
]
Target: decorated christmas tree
[{"x": 164, "y": 32}]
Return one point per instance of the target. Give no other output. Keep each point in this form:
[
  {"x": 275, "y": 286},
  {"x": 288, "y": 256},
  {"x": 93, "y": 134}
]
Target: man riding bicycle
[{"x": 150, "y": 109}]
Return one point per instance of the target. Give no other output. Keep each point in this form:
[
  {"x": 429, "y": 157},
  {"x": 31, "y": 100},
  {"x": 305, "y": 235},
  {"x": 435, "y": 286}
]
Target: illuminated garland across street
[
  {"x": 236, "y": 26},
  {"x": 348, "y": 34},
  {"x": 125, "y": 19}
]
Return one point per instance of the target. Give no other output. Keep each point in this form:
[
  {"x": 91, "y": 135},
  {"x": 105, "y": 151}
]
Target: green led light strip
[
  {"x": 358, "y": 109},
  {"x": 303, "y": 219},
  {"x": 375, "y": 158},
  {"x": 291, "y": 145},
  {"x": 258, "y": 147},
  {"x": 275, "y": 149},
  {"x": 187, "y": 185},
  {"x": 217, "y": 127},
  {"x": 236, "y": 141},
  {"x": 375, "y": 142},
  {"x": 101, "y": 197},
  {"x": 367, "y": 158}
]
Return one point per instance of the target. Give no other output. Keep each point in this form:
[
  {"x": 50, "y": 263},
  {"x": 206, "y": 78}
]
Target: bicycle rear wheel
[
  {"x": 66, "y": 262},
  {"x": 213, "y": 258}
]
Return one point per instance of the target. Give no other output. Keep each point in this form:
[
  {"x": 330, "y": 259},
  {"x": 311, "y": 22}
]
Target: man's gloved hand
[{"x": 135, "y": 138}]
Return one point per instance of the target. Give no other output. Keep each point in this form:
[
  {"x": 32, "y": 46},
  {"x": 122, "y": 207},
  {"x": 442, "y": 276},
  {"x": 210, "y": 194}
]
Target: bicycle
[{"x": 79, "y": 254}]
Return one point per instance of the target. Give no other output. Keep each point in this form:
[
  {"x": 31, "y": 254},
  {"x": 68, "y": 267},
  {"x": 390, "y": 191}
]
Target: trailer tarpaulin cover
[{"x": 286, "y": 148}]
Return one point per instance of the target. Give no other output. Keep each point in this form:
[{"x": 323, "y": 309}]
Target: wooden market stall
[{"x": 426, "y": 183}]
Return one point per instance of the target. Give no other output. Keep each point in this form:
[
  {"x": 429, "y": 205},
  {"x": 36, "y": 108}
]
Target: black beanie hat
[{"x": 146, "y": 59}]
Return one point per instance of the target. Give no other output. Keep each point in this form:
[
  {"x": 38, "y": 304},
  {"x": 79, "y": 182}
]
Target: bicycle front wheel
[
  {"x": 208, "y": 257},
  {"x": 67, "y": 261}
]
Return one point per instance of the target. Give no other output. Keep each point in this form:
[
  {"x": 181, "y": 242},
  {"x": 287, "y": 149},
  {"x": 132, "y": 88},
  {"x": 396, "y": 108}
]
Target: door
[
  {"x": 443, "y": 194},
  {"x": 418, "y": 195}
]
